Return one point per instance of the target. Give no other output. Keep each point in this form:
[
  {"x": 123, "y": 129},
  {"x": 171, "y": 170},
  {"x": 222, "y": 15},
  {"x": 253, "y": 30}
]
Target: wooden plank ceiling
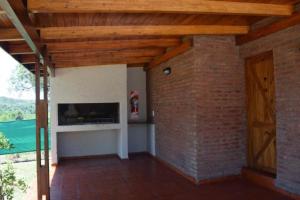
[{"x": 74, "y": 33}]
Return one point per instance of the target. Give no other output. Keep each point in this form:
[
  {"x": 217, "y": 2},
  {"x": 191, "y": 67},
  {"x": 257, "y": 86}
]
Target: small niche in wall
[{"x": 88, "y": 113}]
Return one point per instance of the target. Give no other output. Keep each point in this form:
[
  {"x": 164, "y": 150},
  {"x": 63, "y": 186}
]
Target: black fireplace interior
[{"x": 88, "y": 113}]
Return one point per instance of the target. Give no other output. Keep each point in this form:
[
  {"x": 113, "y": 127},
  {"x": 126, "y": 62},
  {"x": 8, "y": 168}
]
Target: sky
[{"x": 7, "y": 65}]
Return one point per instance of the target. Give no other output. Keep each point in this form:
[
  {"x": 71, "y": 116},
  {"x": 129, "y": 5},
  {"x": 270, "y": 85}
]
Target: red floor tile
[{"x": 142, "y": 178}]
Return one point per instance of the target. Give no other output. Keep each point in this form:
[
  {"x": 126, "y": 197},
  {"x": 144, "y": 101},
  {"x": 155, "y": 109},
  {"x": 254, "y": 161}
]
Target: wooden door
[{"x": 261, "y": 112}]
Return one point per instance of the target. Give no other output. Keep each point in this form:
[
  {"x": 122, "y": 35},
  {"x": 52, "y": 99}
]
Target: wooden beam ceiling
[
  {"x": 17, "y": 13},
  {"x": 55, "y": 47},
  {"x": 124, "y": 32},
  {"x": 97, "y": 31},
  {"x": 20, "y": 48},
  {"x": 31, "y": 67},
  {"x": 19, "y": 17},
  {"x": 101, "y": 61},
  {"x": 159, "y": 6},
  {"x": 269, "y": 29},
  {"x": 146, "y": 52},
  {"x": 43, "y": 20},
  {"x": 10, "y": 34},
  {"x": 185, "y": 46},
  {"x": 26, "y": 58}
]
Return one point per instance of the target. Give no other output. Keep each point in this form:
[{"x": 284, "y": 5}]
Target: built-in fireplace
[{"x": 88, "y": 113}]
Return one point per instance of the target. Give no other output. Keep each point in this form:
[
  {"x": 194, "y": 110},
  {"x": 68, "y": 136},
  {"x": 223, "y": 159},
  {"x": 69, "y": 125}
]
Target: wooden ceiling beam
[
  {"x": 31, "y": 68},
  {"x": 146, "y": 52},
  {"x": 269, "y": 29},
  {"x": 16, "y": 49},
  {"x": 185, "y": 46},
  {"x": 10, "y": 34},
  {"x": 101, "y": 61},
  {"x": 18, "y": 15},
  {"x": 295, "y": 2},
  {"x": 26, "y": 58},
  {"x": 160, "y": 30},
  {"x": 158, "y": 6},
  {"x": 56, "y": 47}
]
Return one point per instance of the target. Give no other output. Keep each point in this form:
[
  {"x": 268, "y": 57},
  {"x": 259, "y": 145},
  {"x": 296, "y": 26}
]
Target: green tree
[
  {"x": 20, "y": 116},
  {"x": 8, "y": 180},
  {"x": 4, "y": 142},
  {"x": 22, "y": 80}
]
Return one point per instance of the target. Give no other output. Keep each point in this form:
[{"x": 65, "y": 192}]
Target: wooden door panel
[{"x": 261, "y": 112}]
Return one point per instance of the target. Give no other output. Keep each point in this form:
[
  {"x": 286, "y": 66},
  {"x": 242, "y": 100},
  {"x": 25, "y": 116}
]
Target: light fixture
[{"x": 167, "y": 71}]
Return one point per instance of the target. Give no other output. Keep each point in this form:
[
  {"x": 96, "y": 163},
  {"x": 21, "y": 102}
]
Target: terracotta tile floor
[{"x": 141, "y": 178}]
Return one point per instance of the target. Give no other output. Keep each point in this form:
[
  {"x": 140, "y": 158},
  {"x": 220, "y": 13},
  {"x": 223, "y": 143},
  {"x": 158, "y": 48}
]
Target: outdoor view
[{"x": 17, "y": 130}]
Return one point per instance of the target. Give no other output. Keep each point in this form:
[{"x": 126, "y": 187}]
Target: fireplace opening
[{"x": 88, "y": 113}]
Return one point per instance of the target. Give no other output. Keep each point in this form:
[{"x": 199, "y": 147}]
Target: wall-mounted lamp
[{"x": 167, "y": 71}]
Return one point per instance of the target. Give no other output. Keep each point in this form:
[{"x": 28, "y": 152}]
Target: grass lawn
[
  {"x": 25, "y": 168},
  {"x": 26, "y": 171}
]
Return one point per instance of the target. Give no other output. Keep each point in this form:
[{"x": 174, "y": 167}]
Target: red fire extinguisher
[{"x": 134, "y": 104}]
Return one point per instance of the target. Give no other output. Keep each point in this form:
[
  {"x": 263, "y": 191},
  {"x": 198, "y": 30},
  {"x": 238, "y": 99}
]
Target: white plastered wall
[{"x": 95, "y": 84}]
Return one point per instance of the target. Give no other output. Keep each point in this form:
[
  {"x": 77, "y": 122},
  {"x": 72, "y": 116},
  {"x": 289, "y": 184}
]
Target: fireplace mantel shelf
[{"x": 88, "y": 127}]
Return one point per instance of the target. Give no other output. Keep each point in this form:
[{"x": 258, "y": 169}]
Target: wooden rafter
[
  {"x": 185, "y": 46},
  {"x": 10, "y": 34},
  {"x": 146, "y": 52},
  {"x": 295, "y": 2},
  {"x": 55, "y": 47},
  {"x": 97, "y": 31},
  {"x": 18, "y": 15},
  {"x": 43, "y": 20},
  {"x": 267, "y": 30},
  {"x": 15, "y": 49},
  {"x": 159, "y": 6},
  {"x": 101, "y": 61},
  {"x": 31, "y": 68},
  {"x": 26, "y": 58}
]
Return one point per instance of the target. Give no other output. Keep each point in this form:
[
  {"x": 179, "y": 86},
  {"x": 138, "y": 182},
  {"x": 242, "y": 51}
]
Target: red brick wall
[
  {"x": 221, "y": 127},
  {"x": 173, "y": 100},
  {"x": 286, "y": 49},
  {"x": 199, "y": 109}
]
